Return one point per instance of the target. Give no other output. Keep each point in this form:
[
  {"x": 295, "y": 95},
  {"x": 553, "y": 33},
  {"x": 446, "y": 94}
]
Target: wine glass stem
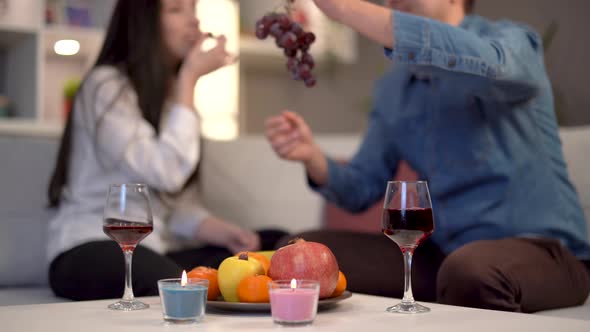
[
  {"x": 128, "y": 295},
  {"x": 408, "y": 296}
]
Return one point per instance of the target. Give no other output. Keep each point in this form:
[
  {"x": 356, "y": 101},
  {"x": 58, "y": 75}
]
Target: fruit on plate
[
  {"x": 203, "y": 272},
  {"x": 306, "y": 260},
  {"x": 268, "y": 253},
  {"x": 259, "y": 257},
  {"x": 340, "y": 285},
  {"x": 232, "y": 270},
  {"x": 254, "y": 289}
]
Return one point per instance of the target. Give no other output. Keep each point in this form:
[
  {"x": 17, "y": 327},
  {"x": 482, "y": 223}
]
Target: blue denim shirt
[{"x": 471, "y": 109}]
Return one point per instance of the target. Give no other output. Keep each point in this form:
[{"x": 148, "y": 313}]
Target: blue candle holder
[{"x": 183, "y": 303}]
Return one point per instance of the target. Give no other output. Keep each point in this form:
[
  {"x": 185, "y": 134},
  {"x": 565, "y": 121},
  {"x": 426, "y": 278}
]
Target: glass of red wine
[
  {"x": 128, "y": 220},
  {"x": 407, "y": 220}
]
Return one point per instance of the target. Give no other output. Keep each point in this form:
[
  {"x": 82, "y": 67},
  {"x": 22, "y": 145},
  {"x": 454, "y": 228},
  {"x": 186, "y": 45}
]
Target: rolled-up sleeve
[
  {"x": 362, "y": 182},
  {"x": 505, "y": 52}
]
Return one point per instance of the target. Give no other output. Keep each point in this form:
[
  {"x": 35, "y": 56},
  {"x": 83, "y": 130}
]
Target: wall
[
  {"x": 58, "y": 71},
  {"x": 338, "y": 104},
  {"x": 567, "y": 57}
]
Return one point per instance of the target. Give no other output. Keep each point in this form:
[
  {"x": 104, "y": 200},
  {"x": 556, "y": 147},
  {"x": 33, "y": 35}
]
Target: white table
[{"x": 361, "y": 313}]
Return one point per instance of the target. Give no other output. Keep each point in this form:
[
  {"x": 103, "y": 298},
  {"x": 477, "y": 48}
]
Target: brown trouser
[{"x": 515, "y": 274}]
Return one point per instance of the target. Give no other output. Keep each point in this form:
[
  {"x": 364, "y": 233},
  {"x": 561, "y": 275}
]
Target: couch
[{"x": 241, "y": 180}]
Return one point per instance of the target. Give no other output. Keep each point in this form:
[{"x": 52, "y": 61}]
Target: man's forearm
[
  {"x": 371, "y": 20},
  {"x": 317, "y": 168}
]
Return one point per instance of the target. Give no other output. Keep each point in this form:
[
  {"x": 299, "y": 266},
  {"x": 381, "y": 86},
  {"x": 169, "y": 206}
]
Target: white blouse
[{"x": 113, "y": 143}]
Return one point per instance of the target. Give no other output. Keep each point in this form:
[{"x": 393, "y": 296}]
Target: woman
[{"x": 133, "y": 121}]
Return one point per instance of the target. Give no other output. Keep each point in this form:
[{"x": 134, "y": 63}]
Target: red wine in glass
[
  {"x": 128, "y": 219},
  {"x": 408, "y": 227},
  {"x": 407, "y": 220},
  {"x": 126, "y": 233}
]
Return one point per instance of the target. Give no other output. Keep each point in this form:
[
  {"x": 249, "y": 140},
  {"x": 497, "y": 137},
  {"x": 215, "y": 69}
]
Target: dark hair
[
  {"x": 469, "y": 4},
  {"x": 134, "y": 45}
]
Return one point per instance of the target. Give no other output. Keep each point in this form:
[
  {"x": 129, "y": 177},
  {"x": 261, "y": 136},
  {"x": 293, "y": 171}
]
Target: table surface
[{"x": 359, "y": 313}]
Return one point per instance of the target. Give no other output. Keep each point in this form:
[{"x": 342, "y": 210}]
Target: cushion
[
  {"x": 245, "y": 182},
  {"x": 23, "y": 241},
  {"x": 368, "y": 221},
  {"x": 26, "y": 165}
]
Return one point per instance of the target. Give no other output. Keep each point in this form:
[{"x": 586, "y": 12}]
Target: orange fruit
[
  {"x": 203, "y": 272},
  {"x": 340, "y": 286},
  {"x": 265, "y": 262},
  {"x": 254, "y": 289}
]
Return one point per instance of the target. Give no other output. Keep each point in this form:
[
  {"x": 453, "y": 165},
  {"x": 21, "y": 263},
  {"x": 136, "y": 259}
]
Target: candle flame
[
  {"x": 184, "y": 279},
  {"x": 293, "y": 283}
]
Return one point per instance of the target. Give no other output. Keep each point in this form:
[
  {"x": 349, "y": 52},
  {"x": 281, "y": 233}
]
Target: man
[{"x": 469, "y": 105}]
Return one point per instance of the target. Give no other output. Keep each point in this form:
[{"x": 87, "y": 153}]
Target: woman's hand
[
  {"x": 224, "y": 234},
  {"x": 199, "y": 63}
]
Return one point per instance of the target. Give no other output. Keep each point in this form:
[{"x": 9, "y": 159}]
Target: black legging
[{"x": 96, "y": 270}]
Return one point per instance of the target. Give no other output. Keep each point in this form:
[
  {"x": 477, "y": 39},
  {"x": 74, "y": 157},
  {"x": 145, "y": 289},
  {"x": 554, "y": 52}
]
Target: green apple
[{"x": 232, "y": 270}]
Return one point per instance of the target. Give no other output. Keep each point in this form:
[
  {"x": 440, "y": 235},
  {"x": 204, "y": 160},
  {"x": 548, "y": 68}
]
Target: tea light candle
[
  {"x": 183, "y": 300},
  {"x": 294, "y": 302}
]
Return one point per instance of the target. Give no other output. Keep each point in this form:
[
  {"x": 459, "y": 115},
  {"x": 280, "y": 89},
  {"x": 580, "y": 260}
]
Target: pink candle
[{"x": 294, "y": 302}]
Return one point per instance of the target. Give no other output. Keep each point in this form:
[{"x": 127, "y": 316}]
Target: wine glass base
[
  {"x": 128, "y": 305},
  {"x": 408, "y": 308}
]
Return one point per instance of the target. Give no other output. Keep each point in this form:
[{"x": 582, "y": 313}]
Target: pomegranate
[{"x": 306, "y": 260}]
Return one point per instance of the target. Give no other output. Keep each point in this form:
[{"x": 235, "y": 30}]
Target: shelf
[
  {"x": 250, "y": 45},
  {"x": 22, "y": 16},
  {"x": 19, "y": 64},
  {"x": 261, "y": 54},
  {"x": 334, "y": 43},
  {"x": 90, "y": 39},
  {"x": 265, "y": 54},
  {"x": 10, "y": 37},
  {"x": 8, "y": 27},
  {"x": 59, "y": 69},
  {"x": 32, "y": 76},
  {"x": 19, "y": 127}
]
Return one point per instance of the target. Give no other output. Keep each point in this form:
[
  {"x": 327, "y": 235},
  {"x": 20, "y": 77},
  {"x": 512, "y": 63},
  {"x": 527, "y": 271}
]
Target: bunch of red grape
[{"x": 294, "y": 41}]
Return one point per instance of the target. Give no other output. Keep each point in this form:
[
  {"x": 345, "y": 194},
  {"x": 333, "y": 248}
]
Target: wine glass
[
  {"x": 128, "y": 220},
  {"x": 407, "y": 220}
]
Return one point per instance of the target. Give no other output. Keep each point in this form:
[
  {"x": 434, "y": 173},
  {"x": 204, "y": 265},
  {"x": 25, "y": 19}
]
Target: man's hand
[{"x": 291, "y": 139}]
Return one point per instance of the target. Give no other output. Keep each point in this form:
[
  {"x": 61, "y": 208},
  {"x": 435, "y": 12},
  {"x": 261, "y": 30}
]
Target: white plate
[{"x": 265, "y": 307}]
